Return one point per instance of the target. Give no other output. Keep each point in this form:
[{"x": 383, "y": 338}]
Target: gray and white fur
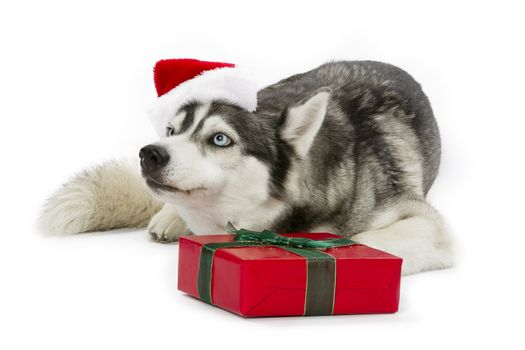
[{"x": 350, "y": 148}]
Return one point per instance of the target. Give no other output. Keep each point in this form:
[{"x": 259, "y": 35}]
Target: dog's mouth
[{"x": 169, "y": 188}]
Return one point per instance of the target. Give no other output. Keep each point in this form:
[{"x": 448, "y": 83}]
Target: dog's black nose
[{"x": 153, "y": 158}]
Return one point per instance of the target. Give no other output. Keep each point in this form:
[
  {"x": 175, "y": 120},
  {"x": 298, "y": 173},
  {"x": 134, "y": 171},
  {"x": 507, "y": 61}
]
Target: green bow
[{"x": 272, "y": 238}]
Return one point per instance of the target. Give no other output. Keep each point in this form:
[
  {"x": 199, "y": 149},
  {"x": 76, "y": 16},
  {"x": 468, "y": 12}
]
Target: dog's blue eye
[
  {"x": 170, "y": 131},
  {"x": 221, "y": 140}
]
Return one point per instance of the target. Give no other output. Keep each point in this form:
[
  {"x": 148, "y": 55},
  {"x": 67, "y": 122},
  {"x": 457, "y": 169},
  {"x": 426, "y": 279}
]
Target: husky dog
[{"x": 350, "y": 148}]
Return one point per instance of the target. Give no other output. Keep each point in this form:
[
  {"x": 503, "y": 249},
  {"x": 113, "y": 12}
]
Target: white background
[{"x": 75, "y": 81}]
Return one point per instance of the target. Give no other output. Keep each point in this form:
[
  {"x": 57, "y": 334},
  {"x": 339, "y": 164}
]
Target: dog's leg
[
  {"x": 414, "y": 231},
  {"x": 166, "y": 226}
]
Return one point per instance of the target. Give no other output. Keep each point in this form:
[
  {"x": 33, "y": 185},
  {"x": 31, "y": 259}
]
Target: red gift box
[{"x": 267, "y": 280}]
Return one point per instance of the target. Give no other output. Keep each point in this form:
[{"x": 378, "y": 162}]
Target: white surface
[{"x": 75, "y": 82}]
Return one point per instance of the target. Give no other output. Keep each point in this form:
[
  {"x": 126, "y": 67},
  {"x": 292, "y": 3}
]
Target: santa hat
[{"x": 180, "y": 81}]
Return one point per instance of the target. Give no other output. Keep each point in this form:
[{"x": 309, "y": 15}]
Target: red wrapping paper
[{"x": 270, "y": 281}]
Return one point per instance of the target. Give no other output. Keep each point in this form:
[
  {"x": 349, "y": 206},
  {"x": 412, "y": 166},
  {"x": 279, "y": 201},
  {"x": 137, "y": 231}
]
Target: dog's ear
[{"x": 302, "y": 122}]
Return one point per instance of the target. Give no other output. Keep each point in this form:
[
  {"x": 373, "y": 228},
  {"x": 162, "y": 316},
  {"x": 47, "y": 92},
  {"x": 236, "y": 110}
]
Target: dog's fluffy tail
[{"x": 110, "y": 195}]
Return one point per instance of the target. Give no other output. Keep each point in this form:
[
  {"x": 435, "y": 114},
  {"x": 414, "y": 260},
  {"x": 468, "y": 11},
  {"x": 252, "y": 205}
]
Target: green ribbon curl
[{"x": 272, "y": 238}]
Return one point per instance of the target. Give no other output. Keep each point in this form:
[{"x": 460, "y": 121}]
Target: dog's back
[
  {"x": 379, "y": 141},
  {"x": 363, "y": 90}
]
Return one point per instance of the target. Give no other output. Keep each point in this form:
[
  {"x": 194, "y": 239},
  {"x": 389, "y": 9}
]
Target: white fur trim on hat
[{"x": 230, "y": 84}]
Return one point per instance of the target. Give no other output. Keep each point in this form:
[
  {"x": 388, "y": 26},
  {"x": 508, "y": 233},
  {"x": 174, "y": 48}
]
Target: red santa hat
[{"x": 180, "y": 81}]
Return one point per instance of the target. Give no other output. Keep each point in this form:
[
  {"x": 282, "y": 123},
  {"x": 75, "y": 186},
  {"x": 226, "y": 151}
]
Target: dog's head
[{"x": 217, "y": 153}]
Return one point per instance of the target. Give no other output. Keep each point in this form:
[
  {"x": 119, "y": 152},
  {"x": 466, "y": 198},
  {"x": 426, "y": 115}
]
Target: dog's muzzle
[{"x": 153, "y": 158}]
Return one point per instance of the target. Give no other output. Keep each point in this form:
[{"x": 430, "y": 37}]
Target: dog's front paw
[{"x": 166, "y": 226}]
